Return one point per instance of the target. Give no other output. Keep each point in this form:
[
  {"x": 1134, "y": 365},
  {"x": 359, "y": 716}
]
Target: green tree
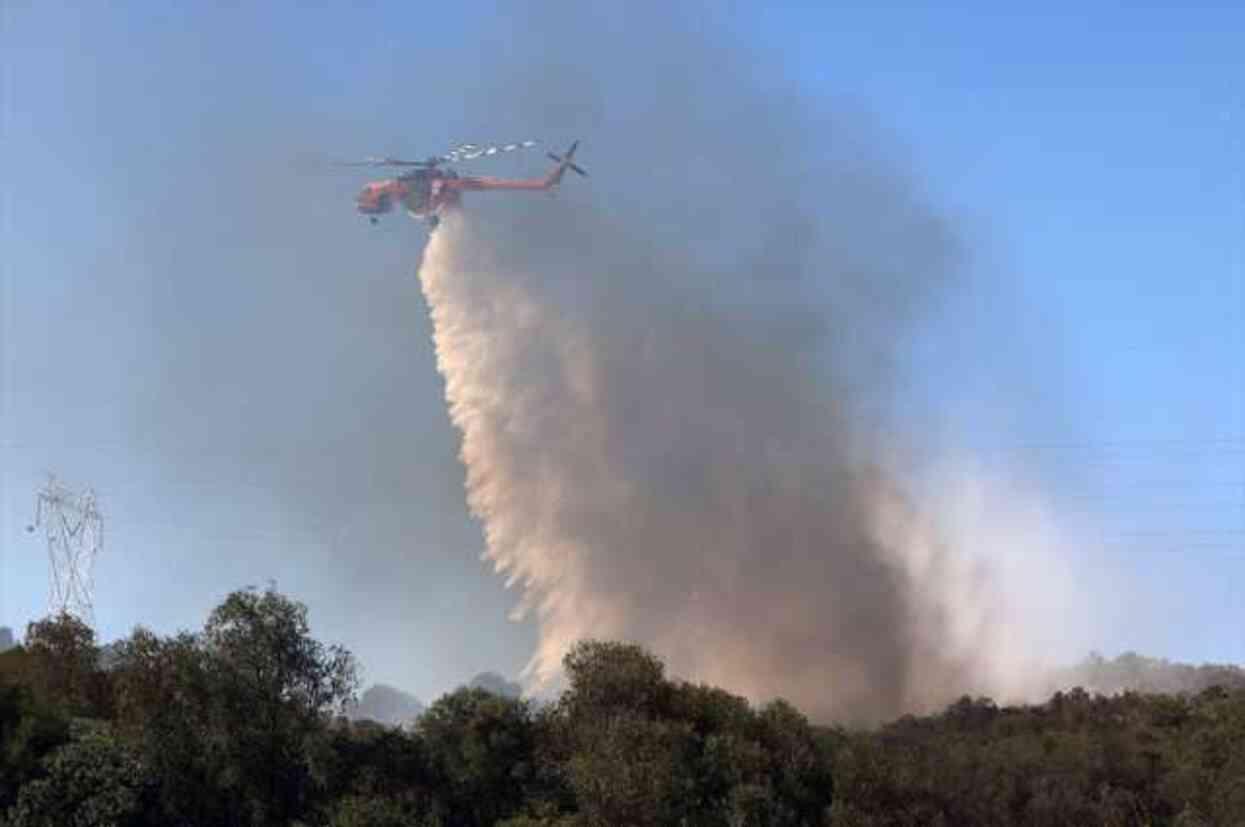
[
  {"x": 378, "y": 811},
  {"x": 369, "y": 761},
  {"x": 92, "y": 781},
  {"x": 234, "y": 721},
  {"x": 167, "y": 700},
  {"x": 276, "y": 688},
  {"x": 618, "y": 757},
  {"x": 480, "y": 747},
  {"x": 799, "y": 766},
  {"x": 64, "y": 665},
  {"x": 29, "y": 731},
  {"x": 263, "y": 640},
  {"x": 630, "y": 770},
  {"x": 607, "y": 678}
]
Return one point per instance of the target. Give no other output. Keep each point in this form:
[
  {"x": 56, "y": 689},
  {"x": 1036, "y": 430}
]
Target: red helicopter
[{"x": 428, "y": 190}]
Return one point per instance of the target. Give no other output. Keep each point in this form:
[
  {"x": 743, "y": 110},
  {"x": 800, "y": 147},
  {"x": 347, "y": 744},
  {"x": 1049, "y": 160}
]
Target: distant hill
[
  {"x": 1136, "y": 673},
  {"x": 387, "y": 705},
  {"x": 6, "y": 638}
]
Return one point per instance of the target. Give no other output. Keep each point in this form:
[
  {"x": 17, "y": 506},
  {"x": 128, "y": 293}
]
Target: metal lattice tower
[{"x": 75, "y": 532}]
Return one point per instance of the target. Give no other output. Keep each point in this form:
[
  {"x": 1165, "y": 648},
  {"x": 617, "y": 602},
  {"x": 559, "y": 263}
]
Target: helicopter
[{"x": 427, "y": 189}]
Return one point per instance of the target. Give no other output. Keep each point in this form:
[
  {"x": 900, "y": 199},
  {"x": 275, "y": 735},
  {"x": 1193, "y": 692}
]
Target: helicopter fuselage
[
  {"x": 422, "y": 193},
  {"x": 428, "y": 191}
]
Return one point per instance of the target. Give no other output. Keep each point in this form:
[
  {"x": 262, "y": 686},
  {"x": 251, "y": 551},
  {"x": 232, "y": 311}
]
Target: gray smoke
[
  {"x": 676, "y": 386},
  {"x": 653, "y": 465}
]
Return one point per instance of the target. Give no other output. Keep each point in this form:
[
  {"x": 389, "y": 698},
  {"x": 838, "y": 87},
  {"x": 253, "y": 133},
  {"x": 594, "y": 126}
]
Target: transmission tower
[{"x": 75, "y": 532}]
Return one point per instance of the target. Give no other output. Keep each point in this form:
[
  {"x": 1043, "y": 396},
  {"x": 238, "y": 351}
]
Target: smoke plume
[{"x": 652, "y": 464}]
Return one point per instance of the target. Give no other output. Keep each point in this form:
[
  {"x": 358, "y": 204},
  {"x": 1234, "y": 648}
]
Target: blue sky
[{"x": 1093, "y": 158}]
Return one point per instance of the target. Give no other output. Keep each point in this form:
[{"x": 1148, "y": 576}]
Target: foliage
[
  {"x": 62, "y": 664},
  {"x": 378, "y": 811},
  {"x": 636, "y": 748},
  {"x": 29, "y": 731},
  {"x": 479, "y": 747},
  {"x": 272, "y": 687},
  {"x": 92, "y": 781},
  {"x": 1078, "y": 759},
  {"x": 263, "y": 641},
  {"x": 227, "y": 723},
  {"x": 242, "y": 723},
  {"x": 169, "y": 705}
]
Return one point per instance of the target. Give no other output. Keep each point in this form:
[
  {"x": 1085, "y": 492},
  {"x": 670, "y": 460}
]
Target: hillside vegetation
[{"x": 247, "y": 722}]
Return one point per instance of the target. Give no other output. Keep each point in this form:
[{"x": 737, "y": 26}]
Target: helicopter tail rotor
[{"x": 565, "y": 162}]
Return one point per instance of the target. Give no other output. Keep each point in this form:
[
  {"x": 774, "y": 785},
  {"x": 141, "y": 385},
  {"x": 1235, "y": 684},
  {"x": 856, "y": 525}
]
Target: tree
[
  {"x": 63, "y": 661},
  {"x": 639, "y": 749},
  {"x": 480, "y": 748},
  {"x": 608, "y": 678},
  {"x": 166, "y": 700},
  {"x": 798, "y": 766},
  {"x": 276, "y": 688},
  {"x": 264, "y": 641},
  {"x": 29, "y": 731},
  {"x": 373, "y": 811},
  {"x": 632, "y": 772},
  {"x": 92, "y": 781},
  {"x": 371, "y": 762},
  {"x": 616, "y": 754},
  {"x": 725, "y": 767}
]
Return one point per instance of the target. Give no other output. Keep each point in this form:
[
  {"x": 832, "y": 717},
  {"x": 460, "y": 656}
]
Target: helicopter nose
[{"x": 372, "y": 203}]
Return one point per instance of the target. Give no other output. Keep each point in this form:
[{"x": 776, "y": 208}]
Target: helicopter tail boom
[{"x": 549, "y": 182}]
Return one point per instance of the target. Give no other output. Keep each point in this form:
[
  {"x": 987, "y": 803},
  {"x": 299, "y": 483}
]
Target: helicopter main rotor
[{"x": 462, "y": 152}]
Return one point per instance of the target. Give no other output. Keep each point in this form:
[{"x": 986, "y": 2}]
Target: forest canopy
[{"x": 252, "y": 721}]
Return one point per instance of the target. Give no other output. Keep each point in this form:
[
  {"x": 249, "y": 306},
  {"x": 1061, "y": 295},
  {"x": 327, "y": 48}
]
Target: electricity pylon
[{"x": 75, "y": 532}]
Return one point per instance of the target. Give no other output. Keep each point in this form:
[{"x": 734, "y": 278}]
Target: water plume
[{"x": 651, "y": 463}]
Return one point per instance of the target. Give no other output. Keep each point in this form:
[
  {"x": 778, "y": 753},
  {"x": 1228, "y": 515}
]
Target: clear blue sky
[{"x": 1093, "y": 157}]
